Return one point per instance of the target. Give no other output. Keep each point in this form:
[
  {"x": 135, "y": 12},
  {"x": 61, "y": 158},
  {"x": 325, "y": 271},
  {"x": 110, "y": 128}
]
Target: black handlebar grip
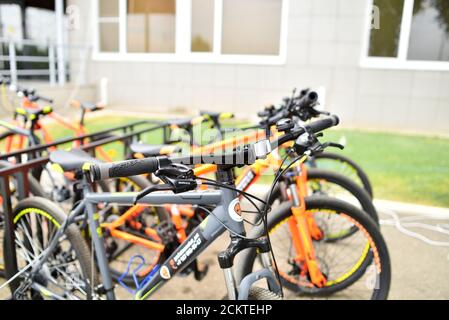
[
  {"x": 323, "y": 124},
  {"x": 279, "y": 116},
  {"x": 307, "y": 100},
  {"x": 45, "y": 99},
  {"x": 263, "y": 114},
  {"x": 125, "y": 168},
  {"x": 35, "y": 98}
]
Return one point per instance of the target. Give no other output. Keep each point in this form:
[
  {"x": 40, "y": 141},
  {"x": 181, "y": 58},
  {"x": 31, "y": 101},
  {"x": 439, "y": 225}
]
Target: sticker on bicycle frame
[
  {"x": 235, "y": 211},
  {"x": 172, "y": 264},
  {"x": 190, "y": 246},
  {"x": 165, "y": 273}
]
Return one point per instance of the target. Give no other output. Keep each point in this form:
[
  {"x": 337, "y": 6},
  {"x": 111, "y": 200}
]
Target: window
[
  {"x": 234, "y": 31},
  {"x": 108, "y": 25},
  {"x": 254, "y": 22},
  {"x": 430, "y": 17},
  {"x": 11, "y": 22},
  {"x": 202, "y": 35},
  {"x": 412, "y": 34},
  {"x": 151, "y": 26}
]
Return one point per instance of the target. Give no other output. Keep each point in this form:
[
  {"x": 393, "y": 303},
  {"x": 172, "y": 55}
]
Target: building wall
[{"x": 324, "y": 47}]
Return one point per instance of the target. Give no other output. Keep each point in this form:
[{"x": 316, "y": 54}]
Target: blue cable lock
[{"x": 134, "y": 274}]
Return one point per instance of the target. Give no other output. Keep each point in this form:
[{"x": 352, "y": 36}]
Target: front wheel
[
  {"x": 67, "y": 273},
  {"x": 257, "y": 293},
  {"x": 344, "y": 166},
  {"x": 334, "y": 185},
  {"x": 356, "y": 267},
  {"x": 34, "y": 189}
]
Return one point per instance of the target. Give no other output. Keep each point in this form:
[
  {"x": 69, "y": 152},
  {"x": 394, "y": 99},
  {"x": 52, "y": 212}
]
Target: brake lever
[
  {"x": 178, "y": 171},
  {"x": 150, "y": 189},
  {"x": 333, "y": 145}
]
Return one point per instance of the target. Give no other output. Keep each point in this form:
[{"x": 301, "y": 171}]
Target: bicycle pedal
[
  {"x": 200, "y": 273},
  {"x": 166, "y": 232}
]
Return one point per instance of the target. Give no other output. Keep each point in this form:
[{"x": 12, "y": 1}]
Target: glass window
[
  {"x": 202, "y": 25},
  {"x": 251, "y": 27},
  {"x": 384, "y": 41},
  {"x": 429, "y": 34},
  {"x": 11, "y": 21},
  {"x": 151, "y": 26},
  {"x": 108, "y": 8},
  {"x": 109, "y": 37}
]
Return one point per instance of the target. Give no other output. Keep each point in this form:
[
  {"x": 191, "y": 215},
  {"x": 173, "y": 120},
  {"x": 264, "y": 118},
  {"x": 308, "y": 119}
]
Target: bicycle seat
[
  {"x": 34, "y": 113},
  {"x": 217, "y": 115},
  {"x": 72, "y": 160},
  {"x": 182, "y": 123},
  {"x": 151, "y": 150},
  {"x": 90, "y": 106}
]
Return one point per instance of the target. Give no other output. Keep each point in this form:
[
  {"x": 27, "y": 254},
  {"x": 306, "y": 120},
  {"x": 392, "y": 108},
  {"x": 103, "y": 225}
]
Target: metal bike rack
[{"x": 20, "y": 169}]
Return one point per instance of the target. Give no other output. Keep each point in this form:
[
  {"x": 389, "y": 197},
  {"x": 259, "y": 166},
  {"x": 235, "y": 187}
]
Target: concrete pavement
[{"x": 419, "y": 270}]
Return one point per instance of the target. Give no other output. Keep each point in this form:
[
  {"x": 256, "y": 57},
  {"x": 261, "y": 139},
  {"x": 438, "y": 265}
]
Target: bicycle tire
[
  {"x": 364, "y": 180},
  {"x": 34, "y": 189},
  {"x": 258, "y": 293},
  {"x": 283, "y": 212},
  {"x": 364, "y": 200},
  {"x": 55, "y": 215}
]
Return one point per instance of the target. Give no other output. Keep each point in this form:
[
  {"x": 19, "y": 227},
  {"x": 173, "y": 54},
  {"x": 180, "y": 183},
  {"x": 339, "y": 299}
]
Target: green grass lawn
[{"x": 401, "y": 167}]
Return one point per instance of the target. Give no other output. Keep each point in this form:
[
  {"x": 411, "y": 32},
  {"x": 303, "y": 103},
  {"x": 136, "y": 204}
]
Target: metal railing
[
  {"x": 21, "y": 170},
  {"x": 50, "y": 57}
]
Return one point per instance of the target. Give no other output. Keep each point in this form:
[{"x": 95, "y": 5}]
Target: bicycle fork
[
  {"x": 303, "y": 230},
  {"x": 226, "y": 261}
]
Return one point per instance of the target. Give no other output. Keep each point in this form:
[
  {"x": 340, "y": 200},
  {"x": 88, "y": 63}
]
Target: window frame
[
  {"x": 400, "y": 62},
  {"x": 183, "y": 39}
]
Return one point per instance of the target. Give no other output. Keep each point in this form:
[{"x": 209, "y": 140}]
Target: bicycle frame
[
  {"x": 302, "y": 225},
  {"x": 78, "y": 129},
  {"x": 224, "y": 217}
]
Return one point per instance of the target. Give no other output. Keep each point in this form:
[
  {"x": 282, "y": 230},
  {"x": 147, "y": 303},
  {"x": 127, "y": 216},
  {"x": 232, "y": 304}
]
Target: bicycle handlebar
[
  {"x": 35, "y": 98},
  {"x": 314, "y": 127},
  {"x": 307, "y": 100},
  {"x": 124, "y": 168},
  {"x": 31, "y": 94},
  {"x": 244, "y": 156}
]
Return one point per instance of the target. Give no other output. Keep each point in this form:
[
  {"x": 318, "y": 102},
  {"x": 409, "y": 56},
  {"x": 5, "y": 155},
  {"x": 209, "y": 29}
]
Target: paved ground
[{"x": 420, "y": 271}]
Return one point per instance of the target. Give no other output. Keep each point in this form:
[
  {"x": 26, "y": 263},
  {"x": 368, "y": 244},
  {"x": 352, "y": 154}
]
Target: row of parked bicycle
[{"x": 91, "y": 224}]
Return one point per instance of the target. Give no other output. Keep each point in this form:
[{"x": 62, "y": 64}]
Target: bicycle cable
[
  {"x": 279, "y": 174},
  {"x": 247, "y": 196}
]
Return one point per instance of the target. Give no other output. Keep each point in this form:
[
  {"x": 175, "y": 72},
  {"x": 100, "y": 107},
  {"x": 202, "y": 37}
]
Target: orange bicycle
[{"x": 184, "y": 217}]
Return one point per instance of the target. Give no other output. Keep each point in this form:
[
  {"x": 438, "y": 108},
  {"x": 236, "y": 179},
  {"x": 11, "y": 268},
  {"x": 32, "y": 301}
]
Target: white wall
[{"x": 324, "y": 46}]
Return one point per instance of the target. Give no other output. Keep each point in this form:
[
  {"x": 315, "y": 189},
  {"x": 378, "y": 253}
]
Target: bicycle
[
  {"x": 303, "y": 228},
  {"x": 133, "y": 228},
  {"x": 304, "y": 107},
  {"x": 183, "y": 216},
  {"x": 179, "y": 179}
]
